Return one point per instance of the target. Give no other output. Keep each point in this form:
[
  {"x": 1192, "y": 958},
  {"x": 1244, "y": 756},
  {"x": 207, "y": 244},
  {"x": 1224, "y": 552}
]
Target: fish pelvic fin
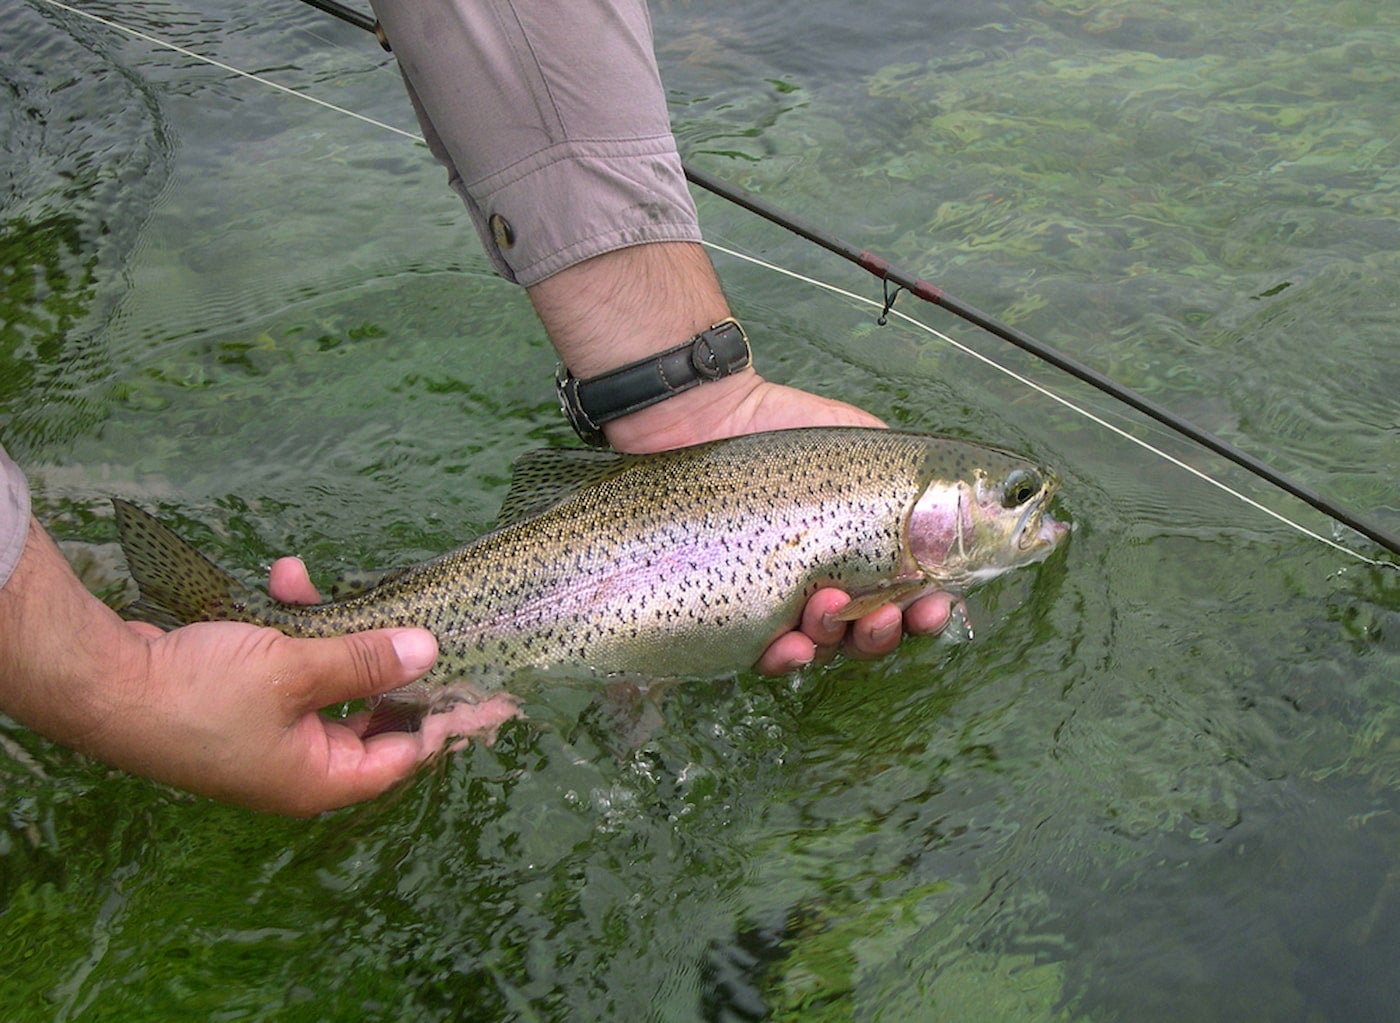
[
  {"x": 406, "y": 708},
  {"x": 178, "y": 584}
]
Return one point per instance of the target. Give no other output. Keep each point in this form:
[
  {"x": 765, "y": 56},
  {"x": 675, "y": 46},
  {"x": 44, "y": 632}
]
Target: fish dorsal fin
[{"x": 542, "y": 478}]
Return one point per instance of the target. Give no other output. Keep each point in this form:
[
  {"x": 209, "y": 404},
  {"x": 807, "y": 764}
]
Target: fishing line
[
  {"x": 886, "y": 309},
  {"x": 888, "y": 273},
  {"x": 184, "y": 52}
]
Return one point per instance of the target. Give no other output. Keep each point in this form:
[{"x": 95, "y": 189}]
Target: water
[{"x": 1160, "y": 783}]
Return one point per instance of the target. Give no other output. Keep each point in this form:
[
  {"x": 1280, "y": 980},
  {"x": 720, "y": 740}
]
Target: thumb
[{"x": 361, "y": 664}]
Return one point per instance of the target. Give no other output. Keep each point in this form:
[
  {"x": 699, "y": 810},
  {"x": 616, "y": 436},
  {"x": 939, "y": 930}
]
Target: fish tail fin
[{"x": 178, "y": 585}]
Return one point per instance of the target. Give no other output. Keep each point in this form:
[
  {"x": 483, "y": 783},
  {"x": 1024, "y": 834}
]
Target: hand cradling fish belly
[{"x": 681, "y": 564}]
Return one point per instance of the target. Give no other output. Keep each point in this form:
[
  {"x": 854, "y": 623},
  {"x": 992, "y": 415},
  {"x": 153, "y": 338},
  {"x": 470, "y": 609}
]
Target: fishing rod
[
  {"x": 351, "y": 17},
  {"x": 926, "y": 291},
  {"x": 932, "y": 293}
]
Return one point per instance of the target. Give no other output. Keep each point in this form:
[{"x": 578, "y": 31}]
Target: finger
[
  {"x": 929, "y": 615},
  {"x": 787, "y": 653},
  {"x": 876, "y": 634},
  {"x": 319, "y": 672},
  {"x": 356, "y": 770},
  {"x": 342, "y": 769},
  {"x": 289, "y": 582},
  {"x": 819, "y": 621}
]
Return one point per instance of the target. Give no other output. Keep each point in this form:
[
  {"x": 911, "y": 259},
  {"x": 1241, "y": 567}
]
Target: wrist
[
  {"x": 630, "y": 304},
  {"x": 621, "y": 306},
  {"x": 719, "y": 409},
  {"x": 710, "y": 356}
]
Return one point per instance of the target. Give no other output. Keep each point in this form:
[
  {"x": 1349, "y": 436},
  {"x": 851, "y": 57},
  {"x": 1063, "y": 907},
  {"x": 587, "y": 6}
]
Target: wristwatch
[{"x": 713, "y": 354}]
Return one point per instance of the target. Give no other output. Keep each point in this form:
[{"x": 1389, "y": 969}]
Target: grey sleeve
[
  {"x": 14, "y": 515},
  {"x": 551, "y": 120}
]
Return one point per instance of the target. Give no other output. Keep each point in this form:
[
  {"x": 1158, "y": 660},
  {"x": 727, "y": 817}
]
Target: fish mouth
[{"x": 1036, "y": 529}]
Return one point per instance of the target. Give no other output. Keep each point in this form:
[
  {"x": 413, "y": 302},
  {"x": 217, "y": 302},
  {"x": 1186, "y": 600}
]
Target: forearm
[
  {"x": 552, "y": 123},
  {"x": 222, "y": 709},
  {"x": 553, "y": 126},
  {"x": 57, "y": 644},
  {"x": 629, "y": 303}
]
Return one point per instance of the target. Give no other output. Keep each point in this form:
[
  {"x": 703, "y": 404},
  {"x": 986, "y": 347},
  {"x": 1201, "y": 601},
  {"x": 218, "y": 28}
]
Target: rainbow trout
[{"x": 685, "y": 563}]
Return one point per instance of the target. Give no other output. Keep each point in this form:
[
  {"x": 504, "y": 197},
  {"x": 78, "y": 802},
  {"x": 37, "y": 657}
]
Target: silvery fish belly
[{"x": 679, "y": 564}]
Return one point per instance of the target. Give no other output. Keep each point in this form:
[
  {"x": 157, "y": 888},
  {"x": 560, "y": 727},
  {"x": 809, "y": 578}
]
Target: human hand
[
  {"x": 231, "y": 711},
  {"x": 241, "y": 707},
  {"x": 820, "y": 633},
  {"x": 289, "y": 582},
  {"x": 275, "y": 751},
  {"x": 222, "y": 709},
  {"x": 749, "y": 404},
  {"x": 618, "y": 306}
]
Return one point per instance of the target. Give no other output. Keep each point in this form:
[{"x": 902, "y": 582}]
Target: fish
[{"x": 680, "y": 564}]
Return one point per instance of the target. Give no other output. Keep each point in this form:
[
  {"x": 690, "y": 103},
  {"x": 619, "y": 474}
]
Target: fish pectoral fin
[{"x": 863, "y": 604}]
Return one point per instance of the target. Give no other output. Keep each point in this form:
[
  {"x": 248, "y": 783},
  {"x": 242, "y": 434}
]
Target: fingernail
[
  {"x": 885, "y": 633},
  {"x": 417, "y": 649}
]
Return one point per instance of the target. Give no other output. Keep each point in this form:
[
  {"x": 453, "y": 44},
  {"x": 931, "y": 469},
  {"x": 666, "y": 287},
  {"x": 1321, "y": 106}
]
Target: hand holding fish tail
[
  {"x": 222, "y": 709},
  {"x": 238, "y": 715}
]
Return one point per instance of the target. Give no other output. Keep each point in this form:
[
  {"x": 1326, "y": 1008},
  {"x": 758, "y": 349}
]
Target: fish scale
[{"x": 684, "y": 563}]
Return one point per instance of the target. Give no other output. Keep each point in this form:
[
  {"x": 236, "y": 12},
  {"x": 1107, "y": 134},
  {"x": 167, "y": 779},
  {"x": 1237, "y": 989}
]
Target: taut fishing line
[
  {"x": 880, "y": 268},
  {"x": 886, "y": 310},
  {"x": 186, "y": 52}
]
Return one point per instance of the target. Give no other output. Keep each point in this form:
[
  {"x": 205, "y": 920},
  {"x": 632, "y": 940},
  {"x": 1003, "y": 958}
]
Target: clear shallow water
[{"x": 1160, "y": 783}]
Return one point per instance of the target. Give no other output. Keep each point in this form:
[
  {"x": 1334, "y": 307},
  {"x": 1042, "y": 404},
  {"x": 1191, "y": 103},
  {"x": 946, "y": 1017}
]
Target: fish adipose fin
[
  {"x": 541, "y": 479},
  {"x": 178, "y": 584}
]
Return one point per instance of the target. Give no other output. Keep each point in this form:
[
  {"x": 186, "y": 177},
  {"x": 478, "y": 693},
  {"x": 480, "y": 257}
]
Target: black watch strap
[{"x": 710, "y": 355}]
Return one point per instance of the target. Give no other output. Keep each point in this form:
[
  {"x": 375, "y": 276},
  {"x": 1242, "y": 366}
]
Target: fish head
[{"x": 965, "y": 531}]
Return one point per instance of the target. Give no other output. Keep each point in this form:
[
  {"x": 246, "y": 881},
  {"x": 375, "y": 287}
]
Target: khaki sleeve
[{"x": 551, "y": 120}]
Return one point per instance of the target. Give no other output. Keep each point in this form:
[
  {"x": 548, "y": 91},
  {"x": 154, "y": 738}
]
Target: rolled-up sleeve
[
  {"x": 14, "y": 515},
  {"x": 551, "y": 120}
]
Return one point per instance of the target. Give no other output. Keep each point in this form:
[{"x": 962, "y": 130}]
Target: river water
[{"x": 1162, "y": 781}]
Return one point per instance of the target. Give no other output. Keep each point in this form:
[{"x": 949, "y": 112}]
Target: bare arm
[{"x": 218, "y": 708}]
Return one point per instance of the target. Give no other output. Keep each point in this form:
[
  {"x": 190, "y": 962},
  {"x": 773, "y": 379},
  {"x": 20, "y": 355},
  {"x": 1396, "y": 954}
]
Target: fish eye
[{"x": 1020, "y": 487}]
